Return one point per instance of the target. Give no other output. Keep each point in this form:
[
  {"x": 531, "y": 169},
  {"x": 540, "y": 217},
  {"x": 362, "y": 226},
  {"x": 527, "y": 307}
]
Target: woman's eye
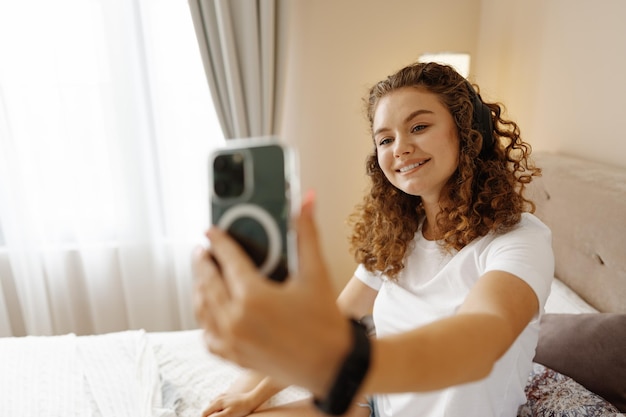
[
  {"x": 384, "y": 141},
  {"x": 417, "y": 128}
]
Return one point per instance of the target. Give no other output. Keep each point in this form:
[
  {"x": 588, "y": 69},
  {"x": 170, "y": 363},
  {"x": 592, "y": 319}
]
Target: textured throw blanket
[
  {"x": 108, "y": 375},
  {"x": 130, "y": 373}
]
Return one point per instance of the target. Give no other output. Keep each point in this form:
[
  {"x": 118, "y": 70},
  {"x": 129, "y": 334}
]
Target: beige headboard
[{"x": 584, "y": 203}]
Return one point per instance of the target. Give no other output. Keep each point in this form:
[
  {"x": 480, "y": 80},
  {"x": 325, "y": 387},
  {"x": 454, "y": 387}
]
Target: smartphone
[{"x": 254, "y": 186}]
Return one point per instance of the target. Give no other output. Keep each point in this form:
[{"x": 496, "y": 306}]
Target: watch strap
[{"x": 350, "y": 375}]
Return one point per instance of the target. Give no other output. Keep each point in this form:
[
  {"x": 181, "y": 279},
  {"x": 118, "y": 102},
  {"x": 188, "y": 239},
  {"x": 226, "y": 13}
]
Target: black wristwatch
[{"x": 350, "y": 376}]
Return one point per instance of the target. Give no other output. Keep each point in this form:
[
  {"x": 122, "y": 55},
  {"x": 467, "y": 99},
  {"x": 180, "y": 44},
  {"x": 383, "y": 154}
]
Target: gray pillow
[{"x": 589, "y": 348}]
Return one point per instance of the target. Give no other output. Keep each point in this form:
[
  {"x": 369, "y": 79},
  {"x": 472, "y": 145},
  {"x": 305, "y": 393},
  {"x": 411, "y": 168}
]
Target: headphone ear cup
[{"x": 482, "y": 121}]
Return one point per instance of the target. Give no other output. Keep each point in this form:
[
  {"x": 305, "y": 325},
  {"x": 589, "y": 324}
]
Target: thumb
[{"x": 310, "y": 259}]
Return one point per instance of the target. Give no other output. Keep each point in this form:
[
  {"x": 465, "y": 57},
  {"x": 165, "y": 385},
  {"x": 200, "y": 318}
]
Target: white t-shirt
[{"x": 434, "y": 284}]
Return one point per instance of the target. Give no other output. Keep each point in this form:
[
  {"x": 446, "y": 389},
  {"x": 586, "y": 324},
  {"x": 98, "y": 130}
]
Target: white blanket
[
  {"x": 191, "y": 377},
  {"x": 130, "y": 373},
  {"x": 100, "y": 376}
]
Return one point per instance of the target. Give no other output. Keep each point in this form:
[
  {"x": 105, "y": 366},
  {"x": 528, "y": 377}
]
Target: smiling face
[{"x": 416, "y": 140}]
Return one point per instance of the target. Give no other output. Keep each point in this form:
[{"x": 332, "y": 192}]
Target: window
[{"x": 107, "y": 119}]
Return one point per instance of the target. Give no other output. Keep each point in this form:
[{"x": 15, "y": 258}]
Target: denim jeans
[{"x": 371, "y": 404}]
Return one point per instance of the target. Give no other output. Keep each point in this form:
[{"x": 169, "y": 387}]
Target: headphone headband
[{"x": 482, "y": 121}]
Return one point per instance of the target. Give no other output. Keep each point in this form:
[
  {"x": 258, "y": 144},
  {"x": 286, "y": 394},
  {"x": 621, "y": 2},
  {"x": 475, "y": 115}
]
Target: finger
[
  {"x": 309, "y": 251},
  {"x": 197, "y": 256},
  {"x": 217, "y": 346},
  {"x": 211, "y": 296},
  {"x": 207, "y": 412},
  {"x": 216, "y": 405},
  {"x": 202, "y": 310},
  {"x": 200, "y": 301},
  {"x": 236, "y": 265},
  {"x": 200, "y": 258},
  {"x": 207, "y": 274},
  {"x": 305, "y": 226},
  {"x": 214, "y": 413}
]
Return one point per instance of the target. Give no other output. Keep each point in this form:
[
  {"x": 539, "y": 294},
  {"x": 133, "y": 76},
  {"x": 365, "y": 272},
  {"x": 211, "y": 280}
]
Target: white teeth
[{"x": 410, "y": 167}]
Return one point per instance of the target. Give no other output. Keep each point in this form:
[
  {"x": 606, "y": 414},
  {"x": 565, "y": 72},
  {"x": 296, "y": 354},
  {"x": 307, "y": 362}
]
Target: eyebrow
[{"x": 407, "y": 119}]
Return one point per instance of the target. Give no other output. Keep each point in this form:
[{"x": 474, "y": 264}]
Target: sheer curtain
[{"x": 106, "y": 121}]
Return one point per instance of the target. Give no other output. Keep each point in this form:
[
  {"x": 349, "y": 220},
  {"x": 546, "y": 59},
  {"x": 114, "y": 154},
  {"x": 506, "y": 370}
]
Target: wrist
[
  {"x": 350, "y": 375},
  {"x": 325, "y": 357},
  {"x": 260, "y": 394}
]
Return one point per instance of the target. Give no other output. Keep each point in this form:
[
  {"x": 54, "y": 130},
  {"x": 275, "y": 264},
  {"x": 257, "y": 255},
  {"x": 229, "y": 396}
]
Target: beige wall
[
  {"x": 558, "y": 65},
  {"x": 336, "y": 51}
]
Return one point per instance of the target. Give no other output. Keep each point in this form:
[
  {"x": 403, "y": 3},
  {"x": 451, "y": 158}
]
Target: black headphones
[{"x": 481, "y": 121}]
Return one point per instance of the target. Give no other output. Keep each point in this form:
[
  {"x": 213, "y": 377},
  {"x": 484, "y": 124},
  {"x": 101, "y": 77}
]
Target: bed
[
  {"x": 579, "y": 370},
  {"x": 580, "y": 363}
]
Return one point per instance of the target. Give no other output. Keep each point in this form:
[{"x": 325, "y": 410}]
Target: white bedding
[
  {"x": 130, "y": 373},
  {"x": 563, "y": 299},
  {"x": 135, "y": 373},
  {"x": 191, "y": 377},
  {"x": 108, "y": 375}
]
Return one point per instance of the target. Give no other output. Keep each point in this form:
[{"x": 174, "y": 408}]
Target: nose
[{"x": 402, "y": 146}]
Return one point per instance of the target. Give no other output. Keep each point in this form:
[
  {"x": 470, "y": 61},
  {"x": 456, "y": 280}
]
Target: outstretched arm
[
  {"x": 259, "y": 324},
  {"x": 457, "y": 349}
]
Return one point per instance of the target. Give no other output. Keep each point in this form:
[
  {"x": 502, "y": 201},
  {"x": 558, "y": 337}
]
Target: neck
[
  {"x": 429, "y": 227},
  {"x": 430, "y": 233}
]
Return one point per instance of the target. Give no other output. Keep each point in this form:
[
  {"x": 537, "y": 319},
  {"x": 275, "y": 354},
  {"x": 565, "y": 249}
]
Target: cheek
[
  {"x": 456, "y": 152},
  {"x": 451, "y": 147},
  {"x": 379, "y": 157},
  {"x": 384, "y": 162}
]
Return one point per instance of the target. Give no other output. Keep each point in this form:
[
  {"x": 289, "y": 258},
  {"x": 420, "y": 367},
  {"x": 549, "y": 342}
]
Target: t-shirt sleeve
[
  {"x": 525, "y": 252},
  {"x": 373, "y": 280}
]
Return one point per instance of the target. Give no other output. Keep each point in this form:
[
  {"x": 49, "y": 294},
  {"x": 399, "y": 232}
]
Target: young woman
[{"x": 452, "y": 264}]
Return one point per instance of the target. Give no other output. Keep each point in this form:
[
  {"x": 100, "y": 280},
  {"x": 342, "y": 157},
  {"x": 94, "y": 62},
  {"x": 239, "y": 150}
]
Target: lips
[{"x": 411, "y": 166}]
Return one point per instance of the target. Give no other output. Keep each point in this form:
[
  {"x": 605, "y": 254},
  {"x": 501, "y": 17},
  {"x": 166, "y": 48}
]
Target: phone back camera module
[{"x": 228, "y": 171}]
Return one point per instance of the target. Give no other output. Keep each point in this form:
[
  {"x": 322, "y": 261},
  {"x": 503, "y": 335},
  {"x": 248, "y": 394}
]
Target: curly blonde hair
[{"x": 485, "y": 194}]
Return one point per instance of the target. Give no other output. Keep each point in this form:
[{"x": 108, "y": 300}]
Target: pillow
[
  {"x": 589, "y": 348},
  {"x": 551, "y": 394},
  {"x": 563, "y": 299}
]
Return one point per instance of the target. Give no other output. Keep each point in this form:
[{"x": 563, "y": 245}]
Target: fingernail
[
  {"x": 211, "y": 232},
  {"x": 309, "y": 201}
]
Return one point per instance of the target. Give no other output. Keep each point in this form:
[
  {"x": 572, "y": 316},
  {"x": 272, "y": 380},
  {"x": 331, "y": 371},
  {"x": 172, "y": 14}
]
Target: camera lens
[
  {"x": 221, "y": 163},
  {"x": 228, "y": 175},
  {"x": 221, "y": 188}
]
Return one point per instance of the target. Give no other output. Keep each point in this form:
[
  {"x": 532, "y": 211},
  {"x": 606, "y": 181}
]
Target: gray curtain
[{"x": 238, "y": 44}]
